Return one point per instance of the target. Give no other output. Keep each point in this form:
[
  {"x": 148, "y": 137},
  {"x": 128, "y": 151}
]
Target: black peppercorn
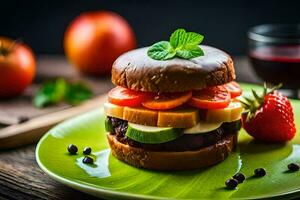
[
  {"x": 231, "y": 183},
  {"x": 239, "y": 177},
  {"x": 87, "y": 151},
  {"x": 88, "y": 160},
  {"x": 72, "y": 149},
  {"x": 259, "y": 172},
  {"x": 293, "y": 167}
]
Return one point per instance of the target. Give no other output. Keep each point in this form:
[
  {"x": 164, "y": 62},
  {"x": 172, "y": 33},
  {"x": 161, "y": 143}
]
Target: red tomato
[
  {"x": 125, "y": 97},
  {"x": 17, "y": 67},
  {"x": 234, "y": 89},
  {"x": 94, "y": 40},
  {"x": 211, "y": 98},
  {"x": 167, "y": 100}
]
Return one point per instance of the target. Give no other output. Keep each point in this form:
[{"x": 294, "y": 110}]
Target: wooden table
[{"x": 20, "y": 176}]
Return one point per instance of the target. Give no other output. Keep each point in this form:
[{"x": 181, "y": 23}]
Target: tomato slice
[
  {"x": 124, "y": 97},
  {"x": 234, "y": 89},
  {"x": 166, "y": 101},
  {"x": 211, "y": 98}
]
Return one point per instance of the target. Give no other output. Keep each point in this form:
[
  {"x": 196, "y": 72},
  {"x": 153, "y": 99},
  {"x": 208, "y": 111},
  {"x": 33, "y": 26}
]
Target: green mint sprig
[
  {"x": 182, "y": 44},
  {"x": 59, "y": 90}
]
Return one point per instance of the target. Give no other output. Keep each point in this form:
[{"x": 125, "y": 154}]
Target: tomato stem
[{"x": 3, "y": 51}]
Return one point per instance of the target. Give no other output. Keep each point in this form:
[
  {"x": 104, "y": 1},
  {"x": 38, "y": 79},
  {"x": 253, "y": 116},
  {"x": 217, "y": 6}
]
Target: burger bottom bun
[{"x": 185, "y": 160}]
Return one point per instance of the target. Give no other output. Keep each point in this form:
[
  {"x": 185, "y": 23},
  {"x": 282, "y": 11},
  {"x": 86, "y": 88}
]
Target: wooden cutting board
[
  {"x": 21, "y": 123},
  {"x": 32, "y": 130}
]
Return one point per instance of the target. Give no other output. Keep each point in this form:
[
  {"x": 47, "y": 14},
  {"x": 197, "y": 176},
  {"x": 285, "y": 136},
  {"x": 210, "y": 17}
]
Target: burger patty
[{"x": 184, "y": 142}]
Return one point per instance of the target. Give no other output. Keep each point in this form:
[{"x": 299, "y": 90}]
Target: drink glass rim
[{"x": 275, "y": 33}]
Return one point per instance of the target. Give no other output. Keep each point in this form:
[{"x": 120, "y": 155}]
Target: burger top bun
[{"x": 135, "y": 70}]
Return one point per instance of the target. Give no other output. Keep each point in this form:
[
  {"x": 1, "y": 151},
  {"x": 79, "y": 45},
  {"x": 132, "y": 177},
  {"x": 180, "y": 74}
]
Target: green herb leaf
[
  {"x": 77, "y": 92},
  {"x": 178, "y": 38},
  {"x": 193, "y": 39},
  {"x": 50, "y": 93},
  {"x": 57, "y": 91},
  {"x": 190, "y": 52},
  {"x": 182, "y": 44},
  {"x": 161, "y": 51}
]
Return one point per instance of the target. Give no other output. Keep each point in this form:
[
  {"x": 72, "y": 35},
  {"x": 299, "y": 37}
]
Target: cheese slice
[
  {"x": 182, "y": 117},
  {"x": 141, "y": 116},
  {"x": 178, "y": 118},
  {"x": 231, "y": 113},
  {"x": 113, "y": 110}
]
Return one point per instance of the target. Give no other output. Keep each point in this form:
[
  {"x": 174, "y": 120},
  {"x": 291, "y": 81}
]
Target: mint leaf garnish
[
  {"x": 177, "y": 38},
  {"x": 190, "y": 52},
  {"x": 161, "y": 51},
  {"x": 182, "y": 44},
  {"x": 77, "y": 92},
  {"x": 50, "y": 93},
  {"x": 193, "y": 38},
  {"x": 59, "y": 90}
]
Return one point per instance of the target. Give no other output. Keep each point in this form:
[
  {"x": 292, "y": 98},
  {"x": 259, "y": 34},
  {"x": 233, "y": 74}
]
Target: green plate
[{"x": 112, "y": 179}]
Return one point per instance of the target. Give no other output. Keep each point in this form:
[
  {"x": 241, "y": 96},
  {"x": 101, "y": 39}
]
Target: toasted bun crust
[
  {"x": 186, "y": 160},
  {"x": 137, "y": 71}
]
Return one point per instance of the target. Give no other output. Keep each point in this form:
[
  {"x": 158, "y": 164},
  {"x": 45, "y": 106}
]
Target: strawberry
[{"x": 269, "y": 117}]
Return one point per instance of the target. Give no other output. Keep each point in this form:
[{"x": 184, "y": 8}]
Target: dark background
[{"x": 41, "y": 24}]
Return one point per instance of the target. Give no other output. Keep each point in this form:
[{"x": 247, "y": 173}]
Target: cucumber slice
[
  {"x": 202, "y": 127},
  {"x": 152, "y": 134},
  {"x": 108, "y": 126}
]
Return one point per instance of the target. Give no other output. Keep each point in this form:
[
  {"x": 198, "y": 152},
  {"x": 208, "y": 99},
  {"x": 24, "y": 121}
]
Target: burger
[{"x": 173, "y": 113}]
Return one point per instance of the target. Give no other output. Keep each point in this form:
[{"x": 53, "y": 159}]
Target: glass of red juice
[{"x": 274, "y": 51}]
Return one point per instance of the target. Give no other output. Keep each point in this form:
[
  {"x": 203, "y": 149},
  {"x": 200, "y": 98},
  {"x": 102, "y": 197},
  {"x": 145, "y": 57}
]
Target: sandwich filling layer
[{"x": 183, "y": 142}]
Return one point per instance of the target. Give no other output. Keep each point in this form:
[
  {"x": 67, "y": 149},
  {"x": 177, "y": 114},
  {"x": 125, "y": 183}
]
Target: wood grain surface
[
  {"x": 32, "y": 130},
  {"x": 20, "y": 176},
  {"x": 48, "y": 68}
]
